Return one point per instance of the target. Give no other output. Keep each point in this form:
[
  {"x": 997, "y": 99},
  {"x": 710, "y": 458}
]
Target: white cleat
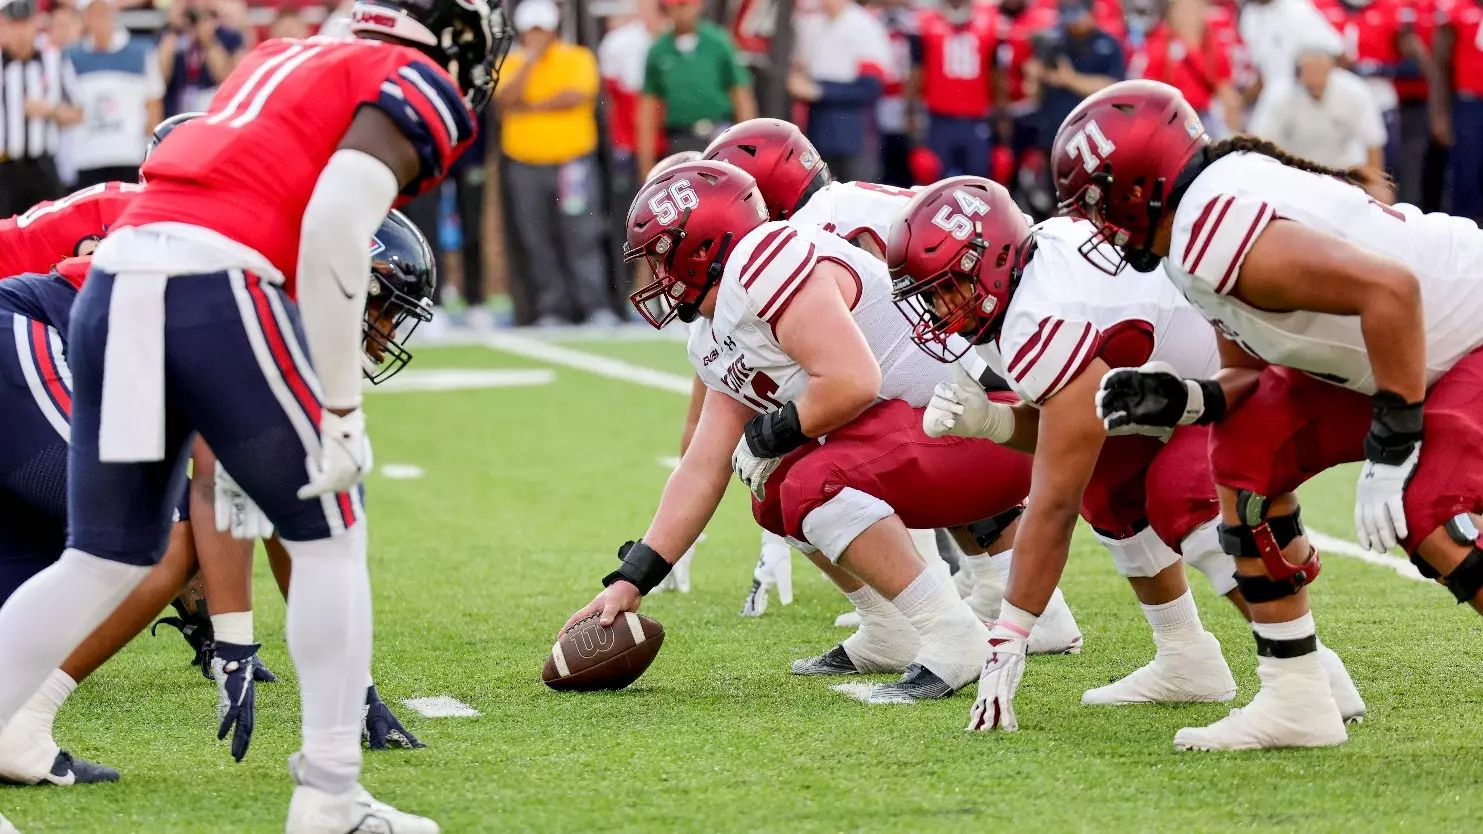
[
  {"x": 1293, "y": 709},
  {"x": 1056, "y": 632},
  {"x": 1346, "y": 694},
  {"x": 313, "y": 811},
  {"x": 1182, "y": 671},
  {"x": 6, "y": 827},
  {"x": 679, "y": 575}
]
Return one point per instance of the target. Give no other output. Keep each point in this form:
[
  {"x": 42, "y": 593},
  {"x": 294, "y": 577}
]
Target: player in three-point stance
[
  {"x": 1348, "y": 332},
  {"x": 189, "y": 322},
  {"x": 967, "y": 263},
  {"x": 794, "y": 335},
  {"x": 795, "y": 184}
]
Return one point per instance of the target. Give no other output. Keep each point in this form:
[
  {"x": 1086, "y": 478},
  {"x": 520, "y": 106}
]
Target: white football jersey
[
  {"x": 1066, "y": 312},
  {"x": 1233, "y": 200},
  {"x": 851, "y": 209},
  {"x": 736, "y": 352}
]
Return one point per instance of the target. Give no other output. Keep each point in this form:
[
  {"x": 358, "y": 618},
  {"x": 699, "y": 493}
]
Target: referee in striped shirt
[{"x": 34, "y": 104}]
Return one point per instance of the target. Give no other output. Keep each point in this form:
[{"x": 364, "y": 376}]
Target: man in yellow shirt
[{"x": 547, "y": 98}]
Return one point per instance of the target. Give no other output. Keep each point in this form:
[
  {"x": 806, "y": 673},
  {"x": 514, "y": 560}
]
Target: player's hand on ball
[
  {"x": 614, "y": 600},
  {"x": 1000, "y": 678}
]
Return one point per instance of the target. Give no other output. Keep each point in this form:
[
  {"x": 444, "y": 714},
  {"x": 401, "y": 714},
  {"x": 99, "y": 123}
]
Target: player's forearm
[
  {"x": 1026, "y": 428},
  {"x": 689, "y": 500},
  {"x": 1040, "y": 550},
  {"x": 832, "y": 402},
  {"x": 1237, "y": 384},
  {"x": 1394, "y": 331}
]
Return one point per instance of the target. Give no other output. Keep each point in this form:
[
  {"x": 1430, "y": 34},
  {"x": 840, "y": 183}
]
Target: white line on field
[
  {"x": 589, "y": 362},
  {"x": 460, "y": 379},
  {"x": 442, "y": 706},
  {"x": 664, "y": 381},
  {"x": 668, "y": 462},
  {"x": 1325, "y": 542},
  {"x": 401, "y": 471}
]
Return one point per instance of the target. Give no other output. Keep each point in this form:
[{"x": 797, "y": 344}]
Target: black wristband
[
  {"x": 776, "y": 433},
  {"x": 640, "y": 565},
  {"x": 1215, "y": 402},
  {"x": 1395, "y": 428}
]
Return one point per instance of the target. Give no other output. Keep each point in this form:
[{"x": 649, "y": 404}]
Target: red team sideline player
[
  {"x": 50, "y": 232},
  {"x": 188, "y": 323}
]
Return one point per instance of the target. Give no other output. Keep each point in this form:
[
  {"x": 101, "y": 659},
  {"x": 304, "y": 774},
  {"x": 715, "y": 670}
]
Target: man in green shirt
[{"x": 694, "y": 82}]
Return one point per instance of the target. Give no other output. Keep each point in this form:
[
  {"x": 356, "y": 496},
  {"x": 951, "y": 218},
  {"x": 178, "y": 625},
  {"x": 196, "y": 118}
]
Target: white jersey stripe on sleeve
[
  {"x": 1228, "y": 280},
  {"x": 768, "y": 249},
  {"x": 785, "y": 290}
]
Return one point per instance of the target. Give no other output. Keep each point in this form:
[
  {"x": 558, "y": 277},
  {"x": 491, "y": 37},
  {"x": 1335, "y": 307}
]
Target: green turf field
[{"x": 526, "y": 494}]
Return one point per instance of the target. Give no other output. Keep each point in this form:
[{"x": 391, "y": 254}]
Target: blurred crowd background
[{"x": 894, "y": 91}]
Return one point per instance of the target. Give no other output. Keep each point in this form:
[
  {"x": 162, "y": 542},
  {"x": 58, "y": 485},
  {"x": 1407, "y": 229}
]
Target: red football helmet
[
  {"x": 955, "y": 255},
  {"x": 671, "y": 161},
  {"x": 785, "y": 164},
  {"x": 1118, "y": 159},
  {"x": 683, "y": 222}
]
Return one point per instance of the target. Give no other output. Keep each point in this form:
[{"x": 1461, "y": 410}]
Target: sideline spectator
[
  {"x": 1185, "y": 52},
  {"x": 1017, "y": 124},
  {"x": 1328, "y": 117},
  {"x": 1459, "y": 102},
  {"x": 621, "y": 57},
  {"x": 36, "y": 97},
  {"x": 196, "y": 55},
  {"x": 119, "y": 89},
  {"x": 893, "y": 116},
  {"x": 1073, "y": 61},
  {"x": 289, "y": 24},
  {"x": 839, "y": 70},
  {"x": 952, "y": 75},
  {"x": 547, "y": 98},
  {"x": 693, "y": 76},
  {"x": 1275, "y": 33},
  {"x": 64, "y": 30}
]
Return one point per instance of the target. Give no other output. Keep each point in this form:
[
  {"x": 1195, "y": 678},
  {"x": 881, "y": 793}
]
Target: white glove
[
  {"x": 1379, "y": 503},
  {"x": 994, "y": 709},
  {"x": 752, "y": 470},
  {"x": 344, "y": 458},
  {"x": 236, "y": 512},
  {"x": 774, "y": 570},
  {"x": 961, "y": 408}
]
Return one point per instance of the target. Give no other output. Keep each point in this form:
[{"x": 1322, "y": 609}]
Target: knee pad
[
  {"x": 833, "y": 525},
  {"x": 1465, "y": 580},
  {"x": 1263, "y": 538},
  {"x": 1202, "y": 551},
  {"x": 987, "y": 531},
  {"x": 1141, "y": 555}
]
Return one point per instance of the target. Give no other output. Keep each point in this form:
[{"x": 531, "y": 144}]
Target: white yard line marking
[
  {"x": 401, "y": 471},
  {"x": 668, "y": 462},
  {"x": 442, "y": 706},
  {"x": 461, "y": 379},
  {"x": 463, "y": 336},
  {"x": 589, "y": 362},
  {"x": 1329, "y": 544},
  {"x": 665, "y": 381}
]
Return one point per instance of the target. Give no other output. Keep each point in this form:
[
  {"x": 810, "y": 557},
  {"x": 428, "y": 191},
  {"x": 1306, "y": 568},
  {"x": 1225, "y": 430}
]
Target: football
[{"x": 590, "y": 658}]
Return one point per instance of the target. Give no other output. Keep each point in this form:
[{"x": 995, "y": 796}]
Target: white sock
[
  {"x": 329, "y": 636},
  {"x": 46, "y": 618},
  {"x": 234, "y": 628},
  {"x": 931, "y": 604},
  {"x": 1178, "y": 617},
  {"x": 977, "y": 566},
  {"x": 997, "y": 566},
  {"x": 53, "y": 693}
]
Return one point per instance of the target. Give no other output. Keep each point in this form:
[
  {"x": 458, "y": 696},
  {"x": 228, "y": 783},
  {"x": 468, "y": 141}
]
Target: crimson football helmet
[
  {"x": 671, "y": 161},
  {"x": 1119, "y": 159},
  {"x": 955, "y": 255},
  {"x": 787, "y": 167},
  {"x": 684, "y": 222}
]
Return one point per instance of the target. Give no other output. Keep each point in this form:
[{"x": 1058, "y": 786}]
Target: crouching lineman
[
  {"x": 966, "y": 263},
  {"x": 796, "y": 339},
  {"x": 1349, "y": 332},
  {"x": 796, "y": 185}
]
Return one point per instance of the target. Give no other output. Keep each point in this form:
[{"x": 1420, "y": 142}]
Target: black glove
[
  {"x": 380, "y": 730},
  {"x": 1155, "y": 396},
  {"x": 233, "y": 667}
]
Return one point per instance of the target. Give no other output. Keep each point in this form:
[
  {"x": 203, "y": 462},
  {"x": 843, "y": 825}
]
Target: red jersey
[
  {"x": 1013, "y": 37},
  {"x": 1196, "y": 71},
  {"x": 956, "y": 64},
  {"x": 51, "y": 232},
  {"x": 1464, "y": 16},
  {"x": 247, "y": 169}
]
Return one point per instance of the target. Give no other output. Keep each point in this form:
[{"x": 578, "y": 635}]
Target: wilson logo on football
[{"x": 592, "y": 638}]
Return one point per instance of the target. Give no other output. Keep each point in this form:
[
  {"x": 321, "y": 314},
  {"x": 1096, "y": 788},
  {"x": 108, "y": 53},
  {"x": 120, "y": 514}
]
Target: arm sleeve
[
  {"x": 1055, "y": 353},
  {"x": 774, "y": 269},
  {"x": 429, "y": 110},
  {"x": 1213, "y": 245},
  {"x": 351, "y": 198}
]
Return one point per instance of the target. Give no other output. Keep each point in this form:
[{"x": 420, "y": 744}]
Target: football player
[
  {"x": 966, "y": 263},
  {"x": 795, "y": 183},
  {"x": 794, "y": 335},
  {"x": 1348, "y": 332},
  {"x": 311, "y": 140}
]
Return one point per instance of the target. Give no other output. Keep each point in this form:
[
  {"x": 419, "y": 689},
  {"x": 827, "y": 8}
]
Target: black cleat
[
  {"x": 65, "y": 770},
  {"x": 916, "y": 684},
  {"x": 836, "y": 661}
]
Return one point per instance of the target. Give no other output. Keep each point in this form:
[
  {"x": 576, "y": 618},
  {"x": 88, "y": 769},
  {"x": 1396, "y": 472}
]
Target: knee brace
[
  {"x": 1465, "y": 580},
  {"x": 987, "y": 531},
  {"x": 834, "y": 525},
  {"x": 1263, "y": 538},
  {"x": 1141, "y": 555},
  {"x": 1203, "y": 552}
]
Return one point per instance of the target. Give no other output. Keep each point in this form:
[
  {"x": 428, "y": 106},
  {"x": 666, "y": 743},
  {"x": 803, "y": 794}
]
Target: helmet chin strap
[
  {"x": 686, "y": 311},
  {"x": 1143, "y": 258}
]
